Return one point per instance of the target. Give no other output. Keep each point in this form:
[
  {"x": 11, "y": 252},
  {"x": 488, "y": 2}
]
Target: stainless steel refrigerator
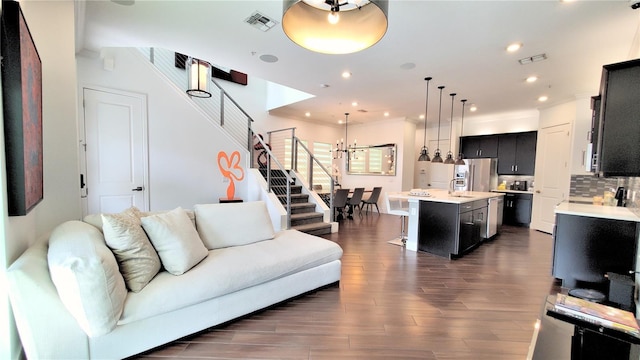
[{"x": 477, "y": 175}]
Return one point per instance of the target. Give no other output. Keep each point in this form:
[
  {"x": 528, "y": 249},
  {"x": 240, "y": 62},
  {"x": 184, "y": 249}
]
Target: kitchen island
[
  {"x": 442, "y": 223},
  {"x": 592, "y": 240}
]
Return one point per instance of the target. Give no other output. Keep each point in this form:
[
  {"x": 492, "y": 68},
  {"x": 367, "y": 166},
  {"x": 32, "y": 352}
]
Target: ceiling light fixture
[
  {"x": 532, "y": 79},
  {"x": 340, "y": 147},
  {"x": 331, "y": 27},
  {"x": 473, "y": 108},
  {"x": 199, "y": 73},
  {"x": 543, "y": 98},
  {"x": 346, "y": 74},
  {"x": 449, "y": 159},
  {"x": 460, "y": 159},
  {"x": 437, "y": 158},
  {"x": 514, "y": 47},
  {"x": 424, "y": 152}
]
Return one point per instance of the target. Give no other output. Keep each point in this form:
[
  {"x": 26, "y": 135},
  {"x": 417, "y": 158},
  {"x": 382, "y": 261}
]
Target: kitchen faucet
[{"x": 451, "y": 186}]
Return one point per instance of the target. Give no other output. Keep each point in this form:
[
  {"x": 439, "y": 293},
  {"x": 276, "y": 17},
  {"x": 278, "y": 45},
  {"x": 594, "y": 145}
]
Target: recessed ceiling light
[
  {"x": 307, "y": 114},
  {"x": 269, "y": 58},
  {"x": 543, "y": 98},
  {"x": 408, "y": 66},
  {"x": 421, "y": 116},
  {"x": 386, "y": 113},
  {"x": 346, "y": 74},
  {"x": 532, "y": 79},
  {"x": 473, "y": 107},
  {"x": 355, "y": 103},
  {"x": 514, "y": 47}
]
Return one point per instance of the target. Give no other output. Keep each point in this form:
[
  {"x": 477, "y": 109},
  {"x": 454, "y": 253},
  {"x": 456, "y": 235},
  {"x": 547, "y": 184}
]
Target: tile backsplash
[{"x": 591, "y": 185}]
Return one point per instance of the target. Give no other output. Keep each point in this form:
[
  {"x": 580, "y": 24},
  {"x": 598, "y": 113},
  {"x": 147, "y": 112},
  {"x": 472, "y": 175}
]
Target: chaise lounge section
[{"x": 63, "y": 312}]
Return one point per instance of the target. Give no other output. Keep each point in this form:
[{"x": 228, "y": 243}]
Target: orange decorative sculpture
[{"x": 231, "y": 169}]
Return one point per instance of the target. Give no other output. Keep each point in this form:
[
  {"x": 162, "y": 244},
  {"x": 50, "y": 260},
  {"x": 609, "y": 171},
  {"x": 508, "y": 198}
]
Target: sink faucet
[{"x": 451, "y": 186}]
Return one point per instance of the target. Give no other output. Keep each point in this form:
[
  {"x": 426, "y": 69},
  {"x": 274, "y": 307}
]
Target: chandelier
[{"x": 340, "y": 144}]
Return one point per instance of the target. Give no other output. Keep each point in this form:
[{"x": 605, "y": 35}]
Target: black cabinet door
[
  {"x": 619, "y": 151},
  {"x": 517, "y": 153},
  {"x": 485, "y": 146},
  {"x": 437, "y": 228},
  {"x": 526, "y": 153},
  {"x": 488, "y": 146},
  {"x": 470, "y": 146},
  {"x": 506, "y": 154},
  {"x": 523, "y": 209},
  {"x": 586, "y": 248},
  {"x": 509, "y": 209}
]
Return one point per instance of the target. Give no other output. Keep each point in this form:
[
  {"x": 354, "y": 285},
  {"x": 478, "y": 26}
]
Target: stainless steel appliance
[
  {"x": 494, "y": 218},
  {"x": 477, "y": 175}
]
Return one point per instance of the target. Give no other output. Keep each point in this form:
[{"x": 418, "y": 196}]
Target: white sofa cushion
[
  {"x": 233, "y": 224},
  {"x": 86, "y": 276},
  {"x": 231, "y": 269},
  {"x": 137, "y": 258},
  {"x": 175, "y": 239}
]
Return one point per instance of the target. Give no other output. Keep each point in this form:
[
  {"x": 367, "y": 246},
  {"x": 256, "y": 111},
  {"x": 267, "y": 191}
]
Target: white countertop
[
  {"x": 599, "y": 211},
  {"x": 438, "y": 195}
]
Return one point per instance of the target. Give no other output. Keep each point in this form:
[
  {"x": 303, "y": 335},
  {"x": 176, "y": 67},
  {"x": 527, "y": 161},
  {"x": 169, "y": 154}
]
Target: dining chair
[
  {"x": 339, "y": 202},
  {"x": 354, "y": 201},
  {"x": 372, "y": 200}
]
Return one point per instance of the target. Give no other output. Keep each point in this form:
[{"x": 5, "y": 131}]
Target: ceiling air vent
[
  {"x": 532, "y": 59},
  {"x": 260, "y": 21}
]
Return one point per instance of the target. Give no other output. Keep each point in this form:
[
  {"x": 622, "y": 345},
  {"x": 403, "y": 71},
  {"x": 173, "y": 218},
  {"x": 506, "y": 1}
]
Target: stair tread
[
  {"x": 314, "y": 226},
  {"x": 306, "y": 215}
]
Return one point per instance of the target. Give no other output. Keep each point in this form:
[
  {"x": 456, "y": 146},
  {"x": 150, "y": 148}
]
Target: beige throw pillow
[
  {"x": 137, "y": 259},
  {"x": 175, "y": 239}
]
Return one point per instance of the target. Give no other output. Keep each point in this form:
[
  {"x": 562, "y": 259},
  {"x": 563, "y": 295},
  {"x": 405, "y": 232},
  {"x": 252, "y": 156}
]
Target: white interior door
[
  {"x": 552, "y": 177},
  {"x": 115, "y": 128}
]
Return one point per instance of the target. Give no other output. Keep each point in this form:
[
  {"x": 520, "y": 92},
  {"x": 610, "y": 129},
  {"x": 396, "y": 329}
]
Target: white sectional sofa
[{"x": 71, "y": 300}]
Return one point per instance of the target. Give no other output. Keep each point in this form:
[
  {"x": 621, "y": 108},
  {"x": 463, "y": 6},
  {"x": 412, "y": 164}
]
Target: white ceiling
[{"x": 461, "y": 44}]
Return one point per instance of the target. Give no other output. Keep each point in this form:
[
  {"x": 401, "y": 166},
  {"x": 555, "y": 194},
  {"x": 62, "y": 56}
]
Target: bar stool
[{"x": 400, "y": 207}]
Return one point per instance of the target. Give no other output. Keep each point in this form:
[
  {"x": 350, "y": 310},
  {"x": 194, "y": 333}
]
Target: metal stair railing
[
  {"x": 297, "y": 156},
  {"x": 221, "y": 109}
]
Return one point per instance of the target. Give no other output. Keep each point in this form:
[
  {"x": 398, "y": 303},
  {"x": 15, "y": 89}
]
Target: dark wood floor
[{"x": 398, "y": 304}]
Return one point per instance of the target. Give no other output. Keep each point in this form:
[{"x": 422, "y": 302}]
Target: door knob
[
  {"x": 537, "y": 191},
  {"x": 139, "y": 188}
]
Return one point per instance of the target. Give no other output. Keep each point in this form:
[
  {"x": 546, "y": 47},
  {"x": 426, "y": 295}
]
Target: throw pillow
[
  {"x": 137, "y": 258},
  {"x": 233, "y": 224},
  {"x": 175, "y": 239},
  {"x": 86, "y": 276}
]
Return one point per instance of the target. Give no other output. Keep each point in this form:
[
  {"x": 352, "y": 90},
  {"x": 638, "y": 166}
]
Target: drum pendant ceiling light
[
  {"x": 424, "y": 152},
  {"x": 331, "y": 27},
  {"x": 436, "y": 157},
  {"x": 199, "y": 73}
]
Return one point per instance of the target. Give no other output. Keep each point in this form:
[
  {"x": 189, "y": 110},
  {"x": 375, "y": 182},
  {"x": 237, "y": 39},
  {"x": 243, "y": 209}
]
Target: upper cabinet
[
  {"x": 618, "y": 149},
  {"x": 517, "y": 153},
  {"x": 474, "y": 147}
]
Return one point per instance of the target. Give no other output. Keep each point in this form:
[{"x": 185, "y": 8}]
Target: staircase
[{"x": 303, "y": 215}]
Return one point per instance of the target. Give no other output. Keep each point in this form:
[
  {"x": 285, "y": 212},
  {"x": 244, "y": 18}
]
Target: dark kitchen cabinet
[
  {"x": 517, "y": 153},
  {"x": 517, "y": 209},
  {"x": 450, "y": 230},
  {"x": 475, "y": 147},
  {"x": 618, "y": 151},
  {"x": 586, "y": 248}
]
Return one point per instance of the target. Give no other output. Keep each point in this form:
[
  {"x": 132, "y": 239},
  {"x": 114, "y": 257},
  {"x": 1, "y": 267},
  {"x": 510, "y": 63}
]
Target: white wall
[
  {"x": 54, "y": 39},
  {"x": 579, "y": 141},
  {"x": 183, "y": 143}
]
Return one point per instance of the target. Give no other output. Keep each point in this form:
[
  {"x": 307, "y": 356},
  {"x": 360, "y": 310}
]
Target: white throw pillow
[
  {"x": 137, "y": 258},
  {"x": 175, "y": 239},
  {"x": 85, "y": 273},
  {"x": 233, "y": 224}
]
